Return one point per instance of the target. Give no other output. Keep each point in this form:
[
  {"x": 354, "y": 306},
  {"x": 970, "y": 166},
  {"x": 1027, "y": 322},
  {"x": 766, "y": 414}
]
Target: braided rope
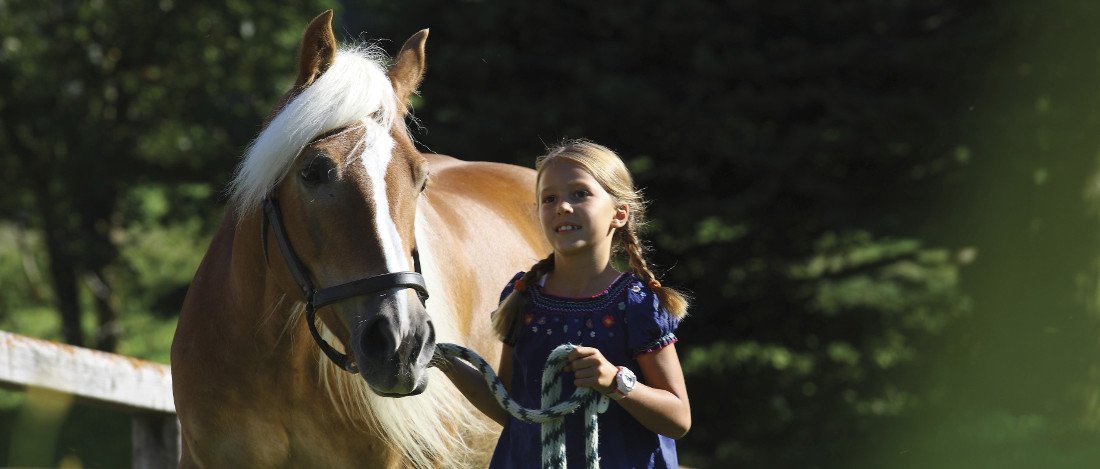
[{"x": 552, "y": 413}]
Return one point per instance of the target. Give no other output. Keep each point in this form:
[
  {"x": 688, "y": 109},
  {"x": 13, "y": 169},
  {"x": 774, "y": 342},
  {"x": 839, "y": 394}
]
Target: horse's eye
[
  {"x": 316, "y": 172},
  {"x": 311, "y": 174}
]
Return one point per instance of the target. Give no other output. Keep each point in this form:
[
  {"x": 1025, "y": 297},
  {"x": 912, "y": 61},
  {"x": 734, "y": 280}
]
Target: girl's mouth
[{"x": 567, "y": 228}]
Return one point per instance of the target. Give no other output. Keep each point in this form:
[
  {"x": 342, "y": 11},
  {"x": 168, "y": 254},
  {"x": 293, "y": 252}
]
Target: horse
[{"x": 333, "y": 193}]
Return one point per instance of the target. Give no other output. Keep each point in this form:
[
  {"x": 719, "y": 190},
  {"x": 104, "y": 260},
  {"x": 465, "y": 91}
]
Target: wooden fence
[{"x": 139, "y": 388}]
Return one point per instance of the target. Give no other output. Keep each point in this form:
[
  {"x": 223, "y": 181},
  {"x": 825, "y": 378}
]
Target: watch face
[{"x": 626, "y": 380}]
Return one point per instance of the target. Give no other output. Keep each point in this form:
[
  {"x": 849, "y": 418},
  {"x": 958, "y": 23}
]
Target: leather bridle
[{"x": 316, "y": 298}]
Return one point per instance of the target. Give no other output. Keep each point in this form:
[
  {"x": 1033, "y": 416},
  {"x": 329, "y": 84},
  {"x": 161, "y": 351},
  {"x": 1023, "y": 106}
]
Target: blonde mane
[
  {"x": 353, "y": 89},
  {"x": 433, "y": 429}
]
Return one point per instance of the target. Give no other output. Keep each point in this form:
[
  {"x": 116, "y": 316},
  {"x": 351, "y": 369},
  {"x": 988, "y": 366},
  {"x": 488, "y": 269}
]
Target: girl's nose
[{"x": 564, "y": 207}]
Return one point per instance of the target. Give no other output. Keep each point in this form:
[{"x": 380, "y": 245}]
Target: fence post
[{"x": 156, "y": 441}]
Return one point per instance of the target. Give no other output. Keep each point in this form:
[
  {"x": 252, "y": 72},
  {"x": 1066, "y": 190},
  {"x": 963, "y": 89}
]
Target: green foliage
[
  {"x": 862, "y": 311},
  {"x": 49, "y": 430},
  {"x": 99, "y": 99},
  {"x": 20, "y": 261},
  {"x": 120, "y": 123}
]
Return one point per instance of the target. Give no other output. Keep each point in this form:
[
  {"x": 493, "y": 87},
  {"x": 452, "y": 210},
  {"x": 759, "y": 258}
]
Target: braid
[
  {"x": 635, "y": 254},
  {"x": 672, "y": 300},
  {"x": 506, "y": 316}
]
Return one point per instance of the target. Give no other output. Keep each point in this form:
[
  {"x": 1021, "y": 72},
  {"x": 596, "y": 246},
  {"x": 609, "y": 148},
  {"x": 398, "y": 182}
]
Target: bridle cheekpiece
[{"x": 316, "y": 298}]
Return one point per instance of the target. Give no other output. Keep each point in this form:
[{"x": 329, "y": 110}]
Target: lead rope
[{"x": 552, "y": 413}]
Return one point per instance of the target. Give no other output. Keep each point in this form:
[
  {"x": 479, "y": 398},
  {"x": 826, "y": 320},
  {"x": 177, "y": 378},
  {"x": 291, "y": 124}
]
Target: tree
[{"x": 97, "y": 98}]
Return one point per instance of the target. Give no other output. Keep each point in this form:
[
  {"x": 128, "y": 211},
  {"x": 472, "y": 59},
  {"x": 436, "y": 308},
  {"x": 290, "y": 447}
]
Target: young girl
[{"x": 623, "y": 323}]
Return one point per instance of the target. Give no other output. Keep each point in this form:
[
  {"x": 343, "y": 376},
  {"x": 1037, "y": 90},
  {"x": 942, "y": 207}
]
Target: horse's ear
[
  {"x": 408, "y": 69},
  {"x": 318, "y": 50}
]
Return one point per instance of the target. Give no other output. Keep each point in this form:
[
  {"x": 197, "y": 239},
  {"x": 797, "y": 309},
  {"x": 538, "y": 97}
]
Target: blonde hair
[{"x": 608, "y": 169}]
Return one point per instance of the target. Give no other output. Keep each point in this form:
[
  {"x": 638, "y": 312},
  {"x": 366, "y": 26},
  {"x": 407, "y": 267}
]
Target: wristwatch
[{"x": 624, "y": 383}]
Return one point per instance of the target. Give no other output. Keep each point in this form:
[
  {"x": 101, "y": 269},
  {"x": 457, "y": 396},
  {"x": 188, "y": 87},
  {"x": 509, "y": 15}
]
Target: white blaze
[{"x": 376, "y": 159}]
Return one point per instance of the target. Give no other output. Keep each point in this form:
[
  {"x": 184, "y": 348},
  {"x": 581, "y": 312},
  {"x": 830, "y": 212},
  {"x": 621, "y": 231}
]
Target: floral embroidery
[
  {"x": 542, "y": 320},
  {"x": 527, "y": 318},
  {"x": 575, "y": 306},
  {"x": 588, "y": 323},
  {"x": 608, "y": 321},
  {"x": 622, "y": 306}
]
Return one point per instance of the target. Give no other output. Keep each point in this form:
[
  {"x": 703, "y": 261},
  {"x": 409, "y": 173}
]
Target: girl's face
[{"x": 578, "y": 216}]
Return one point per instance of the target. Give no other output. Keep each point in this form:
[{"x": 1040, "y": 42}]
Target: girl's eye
[
  {"x": 548, "y": 199},
  {"x": 581, "y": 194}
]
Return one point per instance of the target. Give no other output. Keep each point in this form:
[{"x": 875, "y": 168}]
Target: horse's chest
[{"x": 277, "y": 437}]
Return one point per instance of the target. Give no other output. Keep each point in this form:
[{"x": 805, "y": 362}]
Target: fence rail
[{"x": 136, "y": 387}]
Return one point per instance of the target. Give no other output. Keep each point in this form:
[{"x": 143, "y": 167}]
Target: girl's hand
[{"x": 591, "y": 370}]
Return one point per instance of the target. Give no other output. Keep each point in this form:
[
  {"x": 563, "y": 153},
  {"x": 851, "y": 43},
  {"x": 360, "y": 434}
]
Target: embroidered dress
[{"x": 623, "y": 322}]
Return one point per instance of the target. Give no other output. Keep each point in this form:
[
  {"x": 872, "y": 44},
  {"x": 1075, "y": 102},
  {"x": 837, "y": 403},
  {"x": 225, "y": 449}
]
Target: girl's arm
[
  {"x": 661, "y": 405},
  {"x": 470, "y": 382}
]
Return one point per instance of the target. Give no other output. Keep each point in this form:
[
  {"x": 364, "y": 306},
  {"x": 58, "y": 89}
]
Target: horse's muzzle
[{"x": 394, "y": 359}]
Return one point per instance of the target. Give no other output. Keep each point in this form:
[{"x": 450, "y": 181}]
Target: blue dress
[{"x": 624, "y": 322}]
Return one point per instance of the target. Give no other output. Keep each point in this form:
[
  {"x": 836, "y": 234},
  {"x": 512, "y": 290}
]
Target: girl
[{"x": 623, "y": 323}]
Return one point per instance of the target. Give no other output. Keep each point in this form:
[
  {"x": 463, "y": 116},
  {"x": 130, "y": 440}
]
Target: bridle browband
[{"x": 316, "y": 298}]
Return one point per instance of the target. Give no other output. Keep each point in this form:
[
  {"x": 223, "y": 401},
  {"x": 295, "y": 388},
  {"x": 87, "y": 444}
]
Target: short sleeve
[
  {"x": 649, "y": 326},
  {"x": 509, "y": 339}
]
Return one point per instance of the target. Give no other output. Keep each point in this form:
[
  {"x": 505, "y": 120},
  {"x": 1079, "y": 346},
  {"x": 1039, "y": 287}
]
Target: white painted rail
[{"x": 139, "y": 388}]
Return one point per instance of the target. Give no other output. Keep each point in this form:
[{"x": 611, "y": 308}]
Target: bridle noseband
[{"x": 316, "y": 298}]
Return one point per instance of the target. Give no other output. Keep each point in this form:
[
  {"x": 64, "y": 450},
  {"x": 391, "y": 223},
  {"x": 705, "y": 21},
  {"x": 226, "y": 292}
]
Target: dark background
[{"x": 885, "y": 210}]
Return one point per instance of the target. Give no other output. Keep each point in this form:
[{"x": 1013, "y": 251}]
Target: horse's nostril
[
  {"x": 378, "y": 340},
  {"x": 427, "y": 336}
]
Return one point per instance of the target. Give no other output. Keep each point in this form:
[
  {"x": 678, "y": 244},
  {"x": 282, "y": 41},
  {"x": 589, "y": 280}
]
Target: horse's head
[{"x": 336, "y": 157}]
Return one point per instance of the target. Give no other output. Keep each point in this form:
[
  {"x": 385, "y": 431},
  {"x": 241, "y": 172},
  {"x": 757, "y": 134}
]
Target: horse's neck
[
  {"x": 236, "y": 301},
  {"x": 262, "y": 305}
]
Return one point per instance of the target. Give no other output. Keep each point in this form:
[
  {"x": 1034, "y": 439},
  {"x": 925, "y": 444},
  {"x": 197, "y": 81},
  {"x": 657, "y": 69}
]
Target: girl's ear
[{"x": 622, "y": 215}]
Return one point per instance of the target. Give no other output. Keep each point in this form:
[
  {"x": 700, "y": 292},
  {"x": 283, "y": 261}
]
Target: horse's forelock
[{"x": 354, "y": 89}]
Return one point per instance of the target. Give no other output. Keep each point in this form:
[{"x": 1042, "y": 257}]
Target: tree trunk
[
  {"x": 63, "y": 275},
  {"x": 107, "y": 331},
  {"x": 62, "y": 266}
]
